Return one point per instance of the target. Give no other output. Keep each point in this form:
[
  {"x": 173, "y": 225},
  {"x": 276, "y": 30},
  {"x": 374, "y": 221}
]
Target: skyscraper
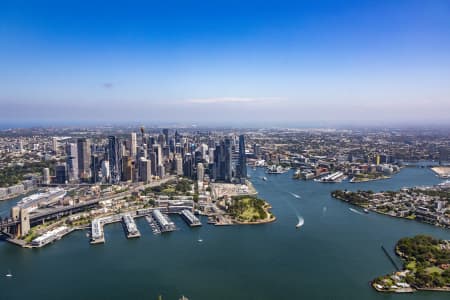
[
  {"x": 72, "y": 161},
  {"x": 158, "y": 151},
  {"x": 242, "y": 165},
  {"x": 46, "y": 176},
  {"x": 200, "y": 172},
  {"x": 61, "y": 173},
  {"x": 105, "y": 171},
  {"x": 84, "y": 159},
  {"x": 127, "y": 169},
  {"x": 145, "y": 173},
  {"x": 133, "y": 145},
  {"x": 222, "y": 168},
  {"x": 166, "y": 135},
  {"x": 55, "y": 145},
  {"x": 178, "y": 161},
  {"x": 114, "y": 159}
]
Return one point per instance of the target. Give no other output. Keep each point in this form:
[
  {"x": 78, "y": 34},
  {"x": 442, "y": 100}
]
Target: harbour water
[{"x": 333, "y": 255}]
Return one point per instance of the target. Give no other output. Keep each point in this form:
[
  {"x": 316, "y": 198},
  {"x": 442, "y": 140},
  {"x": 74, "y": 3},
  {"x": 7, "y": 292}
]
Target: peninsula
[
  {"x": 425, "y": 204},
  {"x": 426, "y": 266}
]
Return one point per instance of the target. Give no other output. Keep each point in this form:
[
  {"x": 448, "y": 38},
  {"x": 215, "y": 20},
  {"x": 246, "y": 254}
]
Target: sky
[{"x": 225, "y": 62}]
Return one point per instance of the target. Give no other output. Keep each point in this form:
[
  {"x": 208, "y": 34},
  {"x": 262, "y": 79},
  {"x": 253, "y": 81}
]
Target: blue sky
[{"x": 229, "y": 62}]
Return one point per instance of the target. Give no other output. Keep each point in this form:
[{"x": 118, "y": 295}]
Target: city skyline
[{"x": 306, "y": 63}]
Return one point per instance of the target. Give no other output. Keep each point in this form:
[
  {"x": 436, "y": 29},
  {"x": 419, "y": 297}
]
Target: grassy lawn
[
  {"x": 411, "y": 266},
  {"x": 168, "y": 191},
  {"x": 250, "y": 214},
  {"x": 431, "y": 270},
  {"x": 249, "y": 209}
]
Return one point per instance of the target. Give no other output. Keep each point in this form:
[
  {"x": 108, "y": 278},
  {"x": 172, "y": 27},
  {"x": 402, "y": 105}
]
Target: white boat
[
  {"x": 366, "y": 210},
  {"x": 355, "y": 211},
  {"x": 264, "y": 178},
  {"x": 8, "y": 274},
  {"x": 200, "y": 240},
  {"x": 300, "y": 223},
  {"x": 295, "y": 195}
]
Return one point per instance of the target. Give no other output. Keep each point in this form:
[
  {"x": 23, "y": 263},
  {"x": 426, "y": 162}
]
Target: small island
[
  {"x": 426, "y": 266},
  {"x": 249, "y": 210}
]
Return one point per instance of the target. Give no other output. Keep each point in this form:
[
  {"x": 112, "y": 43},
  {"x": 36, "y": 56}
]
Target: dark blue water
[{"x": 333, "y": 256}]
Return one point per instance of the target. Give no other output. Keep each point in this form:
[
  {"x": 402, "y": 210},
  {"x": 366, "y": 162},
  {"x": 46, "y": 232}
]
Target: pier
[
  {"x": 130, "y": 227},
  {"x": 163, "y": 221},
  {"x": 97, "y": 235},
  {"x": 190, "y": 218}
]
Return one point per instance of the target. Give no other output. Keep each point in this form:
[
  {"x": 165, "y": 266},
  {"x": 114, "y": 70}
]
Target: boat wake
[
  {"x": 295, "y": 195},
  {"x": 355, "y": 211}
]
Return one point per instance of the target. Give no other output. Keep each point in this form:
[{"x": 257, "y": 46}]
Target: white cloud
[{"x": 230, "y": 100}]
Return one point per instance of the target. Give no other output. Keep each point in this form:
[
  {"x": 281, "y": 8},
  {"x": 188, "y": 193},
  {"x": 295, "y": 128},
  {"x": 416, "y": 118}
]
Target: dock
[
  {"x": 190, "y": 218},
  {"x": 163, "y": 221},
  {"x": 130, "y": 227},
  {"x": 97, "y": 235}
]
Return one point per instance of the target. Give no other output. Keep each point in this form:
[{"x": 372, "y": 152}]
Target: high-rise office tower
[
  {"x": 72, "y": 162},
  {"x": 256, "y": 150},
  {"x": 153, "y": 159},
  {"x": 61, "y": 173},
  {"x": 145, "y": 174},
  {"x": 105, "y": 171},
  {"x": 242, "y": 171},
  {"x": 161, "y": 171},
  {"x": 55, "y": 145},
  {"x": 166, "y": 135},
  {"x": 114, "y": 159},
  {"x": 178, "y": 161},
  {"x": 95, "y": 167},
  {"x": 158, "y": 151},
  {"x": 84, "y": 159},
  {"x": 222, "y": 168},
  {"x": 133, "y": 145},
  {"x": 200, "y": 172},
  {"x": 177, "y": 137},
  {"x": 188, "y": 165},
  {"x": 127, "y": 169},
  {"x": 46, "y": 176},
  {"x": 161, "y": 140}
]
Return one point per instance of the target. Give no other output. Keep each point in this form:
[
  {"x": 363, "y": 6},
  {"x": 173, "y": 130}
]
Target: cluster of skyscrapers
[{"x": 140, "y": 158}]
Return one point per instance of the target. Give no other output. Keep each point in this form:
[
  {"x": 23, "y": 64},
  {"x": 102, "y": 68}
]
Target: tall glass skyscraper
[{"x": 242, "y": 171}]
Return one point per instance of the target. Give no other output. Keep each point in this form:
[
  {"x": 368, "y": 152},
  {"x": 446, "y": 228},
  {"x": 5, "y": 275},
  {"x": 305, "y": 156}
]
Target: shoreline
[
  {"x": 386, "y": 214},
  {"x": 370, "y": 179},
  {"x": 265, "y": 221}
]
